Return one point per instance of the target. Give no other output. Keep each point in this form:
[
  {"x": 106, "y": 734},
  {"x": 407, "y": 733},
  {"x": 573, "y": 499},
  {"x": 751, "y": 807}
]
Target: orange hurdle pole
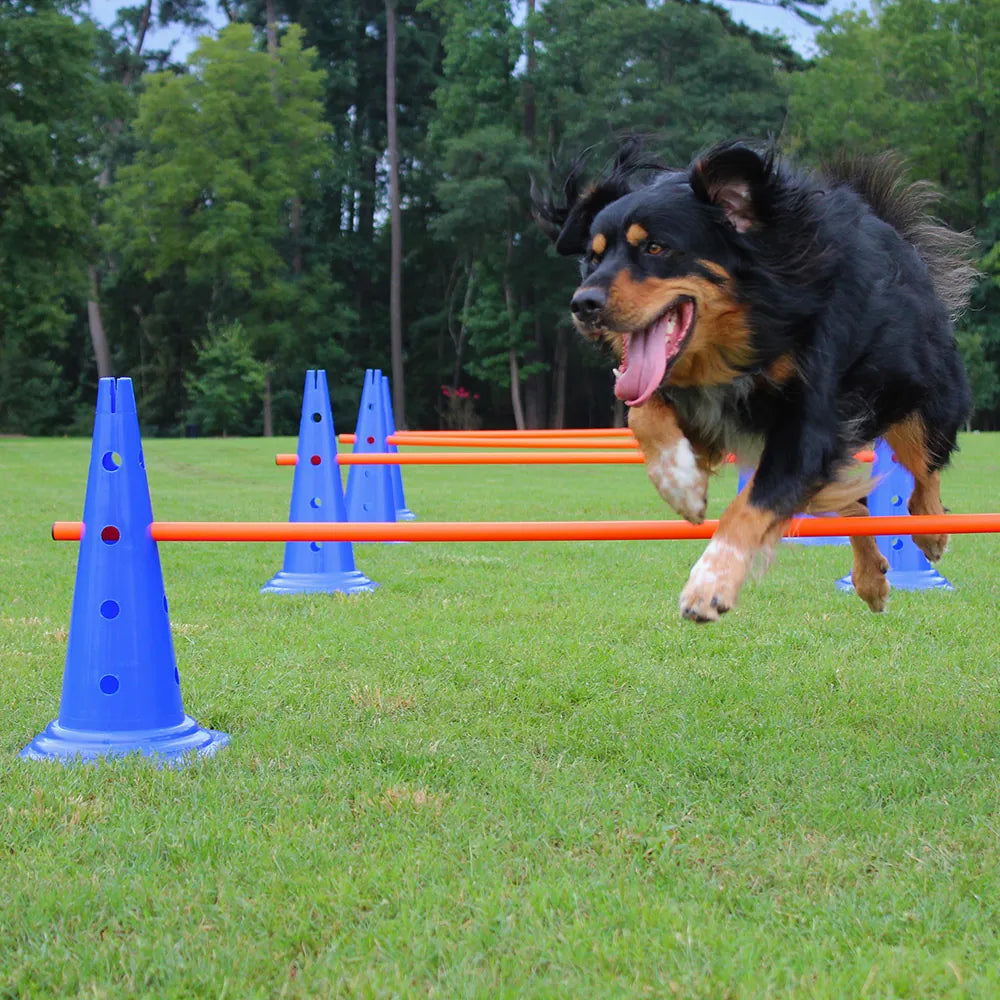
[
  {"x": 597, "y": 432},
  {"x": 457, "y": 441},
  {"x": 473, "y": 458},
  {"x": 443, "y": 440},
  {"x": 633, "y": 457},
  {"x": 533, "y": 531}
]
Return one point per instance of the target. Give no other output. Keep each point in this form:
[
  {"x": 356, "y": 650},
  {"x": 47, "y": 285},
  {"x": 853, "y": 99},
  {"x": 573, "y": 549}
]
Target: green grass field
[{"x": 513, "y": 770}]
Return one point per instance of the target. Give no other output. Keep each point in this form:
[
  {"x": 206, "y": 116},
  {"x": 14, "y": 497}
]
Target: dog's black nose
[{"x": 587, "y": 303}]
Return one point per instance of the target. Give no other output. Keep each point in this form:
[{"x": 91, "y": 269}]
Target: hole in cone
[{"x": 110, "y": 534}]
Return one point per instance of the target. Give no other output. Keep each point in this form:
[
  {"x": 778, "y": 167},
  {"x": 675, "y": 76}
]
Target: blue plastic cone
[
  {"x": 317, "y": 495},
  {"x": 121, "y": 691},
  {"x": 403, "y": 513},
  {"x": 369, "y": 487},
  {"x": 744, "y": 477},
  {"x": 909, "y": 568}
]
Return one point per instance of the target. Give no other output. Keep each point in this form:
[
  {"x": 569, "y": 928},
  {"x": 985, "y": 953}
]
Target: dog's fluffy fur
[{"x": 786, "y": 316}]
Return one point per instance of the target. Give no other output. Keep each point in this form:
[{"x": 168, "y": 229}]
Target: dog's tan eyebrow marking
[
  {"x": 635, "y": 234},
  {"x": 599, "y": 244},
  {"x": 717, "y": 269}
]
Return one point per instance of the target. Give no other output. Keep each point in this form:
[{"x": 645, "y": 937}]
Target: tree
[
  {"x": 395, "y": 219},
  {"x": 351, "y": 39},
  {"x": 485, "y": 163},
  {"x": 127, "y": 59},
  {"x": 979, "y": 334},
  {"x": 577, "y": 74},
  {"x": 226, "y": 383},
  {"x": 204, "y": 212},
  {"x": 923, "y": 76},
  {"x": 52, "y": 106}
]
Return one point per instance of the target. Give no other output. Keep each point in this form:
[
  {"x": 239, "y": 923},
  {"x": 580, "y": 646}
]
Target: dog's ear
[
  {"x": 568, "y": 224},
  {"x": 571, "y": 239},
  {"x": 735, "y": 178}
]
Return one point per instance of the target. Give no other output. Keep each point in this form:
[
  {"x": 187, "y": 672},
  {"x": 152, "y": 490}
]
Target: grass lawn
[{"x": 513, "y": 770}]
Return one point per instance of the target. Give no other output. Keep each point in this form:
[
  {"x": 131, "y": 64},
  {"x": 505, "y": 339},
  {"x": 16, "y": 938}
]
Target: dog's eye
[{"x": 654, "y": 248}]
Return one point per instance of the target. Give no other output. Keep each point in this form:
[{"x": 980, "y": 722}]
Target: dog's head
[{"x": 659, "y": 268}]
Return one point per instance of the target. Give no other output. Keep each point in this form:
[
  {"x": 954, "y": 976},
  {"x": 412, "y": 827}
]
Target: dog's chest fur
[{"x": 719, "y": 417}]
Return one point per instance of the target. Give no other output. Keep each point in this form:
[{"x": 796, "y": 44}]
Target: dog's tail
[{"x": 948, "y": 254}]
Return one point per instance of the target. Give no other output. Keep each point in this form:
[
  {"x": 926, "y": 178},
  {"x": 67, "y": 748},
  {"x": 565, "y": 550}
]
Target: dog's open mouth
[{"x": 648, "y": 355}]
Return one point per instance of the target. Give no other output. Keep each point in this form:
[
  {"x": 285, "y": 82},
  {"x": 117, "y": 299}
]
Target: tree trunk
[
  {"x": 560, "y": 363},
  {"x": 364, "y": 238},
  {"x": 295, "y": 225},
  {"x": 515, "y": 371},
  {"x": 396, "y": 222},
  {"x": 536, "y": 386},
  {"x": 102, "y": 352},
  {"x": 515, "y": 390},
  {"x": 272, "y": 26},
  {"x": 137, "y": 51},
  {"x": 463, "y": 329},
  {"x": 529, "y": 84},
  {"x": 270, "y": 17},
  {"x": 268, "y": 410},
  {"x": 536, "y": 395}
]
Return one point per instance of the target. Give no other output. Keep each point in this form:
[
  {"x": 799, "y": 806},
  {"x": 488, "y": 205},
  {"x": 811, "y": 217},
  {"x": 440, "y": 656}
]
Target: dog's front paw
[
  {"x": 870, "y": 583},
  {"x": 932, "y": 546},
  {"x": 680, "y": 480},
  {"x": 714, "y": 583}
]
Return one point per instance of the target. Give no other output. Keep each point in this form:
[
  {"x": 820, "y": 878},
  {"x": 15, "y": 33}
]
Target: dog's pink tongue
[{"x": 646, "y": 364}]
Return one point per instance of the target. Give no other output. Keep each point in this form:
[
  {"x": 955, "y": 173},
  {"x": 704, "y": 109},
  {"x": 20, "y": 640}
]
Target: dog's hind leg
[
  {"x": 677, "y": 469},
  {"x": 845, "y": 497},
  {"x": 870, "y": 567},
  {"x": 909, "y": 440}
]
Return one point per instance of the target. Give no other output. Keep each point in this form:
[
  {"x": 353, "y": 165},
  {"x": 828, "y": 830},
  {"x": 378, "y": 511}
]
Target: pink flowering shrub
[{"x": 458, "y": 412}]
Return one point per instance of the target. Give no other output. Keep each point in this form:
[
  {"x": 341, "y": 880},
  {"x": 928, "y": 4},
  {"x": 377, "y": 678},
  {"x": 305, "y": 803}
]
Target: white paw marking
[
  {"x": 713, "y": 560},
  {"x": 675, "y": 474},
  {"x": 714, "y": 582}
]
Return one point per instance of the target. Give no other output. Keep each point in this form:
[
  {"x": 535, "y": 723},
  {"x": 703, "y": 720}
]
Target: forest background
[{"x": 347, "y": 184}]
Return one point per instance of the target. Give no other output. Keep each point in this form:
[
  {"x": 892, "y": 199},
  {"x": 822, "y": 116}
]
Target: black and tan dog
[{"x": 785, "y": 316}]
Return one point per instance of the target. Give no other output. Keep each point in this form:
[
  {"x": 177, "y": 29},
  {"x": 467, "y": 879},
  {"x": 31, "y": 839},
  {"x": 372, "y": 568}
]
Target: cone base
[
  {"x": 348, "y": 582},
  {"x": 175, "y": 745},
  {"x": 405, "y": 514},
  {"x": 906, "y": 579},
  {"x": 817, "y": 540}
]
